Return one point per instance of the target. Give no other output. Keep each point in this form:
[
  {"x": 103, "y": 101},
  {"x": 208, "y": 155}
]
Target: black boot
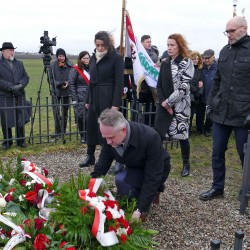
[
  {"x": 185, "y": 153},
  {"x": 89, "y": 160},
  {"x": 185, "y": 170}
]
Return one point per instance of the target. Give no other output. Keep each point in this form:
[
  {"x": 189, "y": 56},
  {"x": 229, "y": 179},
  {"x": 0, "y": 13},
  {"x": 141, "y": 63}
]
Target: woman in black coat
[
  {"x": 173, "y": 90},
  {"x": 196, "y": 85},
  {"x": 78, "y": 83},
  {"x": 105, "y": 89}
]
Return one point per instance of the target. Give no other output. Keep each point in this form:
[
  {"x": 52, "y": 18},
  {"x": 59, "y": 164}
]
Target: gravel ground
[{"x": 183, "y": 221}]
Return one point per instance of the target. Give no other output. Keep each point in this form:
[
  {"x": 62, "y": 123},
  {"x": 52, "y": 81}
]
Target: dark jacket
[
  {"x": 105, "y": 90},
  {"x": 61, "y": 74},
  {"x": 230, "y": 92},
  {"x": 195, "y": 91},
  {"x": 8, "y": 78},
  {"x": 164, "y": 89},
  {"x": 144, "y": 156},
  {"x": 208, "y": 78},
  {"x": 78, "y": 90}
]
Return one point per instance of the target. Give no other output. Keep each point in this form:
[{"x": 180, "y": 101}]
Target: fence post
[
  {"x": 215, "y": 244},
  {"x": 239, "y": 235}
]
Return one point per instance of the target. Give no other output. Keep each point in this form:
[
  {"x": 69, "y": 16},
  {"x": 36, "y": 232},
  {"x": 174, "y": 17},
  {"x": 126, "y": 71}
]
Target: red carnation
[
  {"x": 92, "y": 194},
  {"x": 61, "y": 227},
  {"x": 37, "y": 187},
  {"x": 123, "y": 222},
  {"x": 62, "y": 244},
  {"x": 11, "y": 190},
  {"x": 27, "y": 223},
  {"x": 109, "y": 215},
  {"x": 84, "y": 210},
  {"x": 46, "y": 172},
  {"x": 123, "y": 238},
  {"x": 9, "y": 198},
  {"x": 70, "y": 248},
  {"x": 129, "y": 231},
  {"x": 39, "y": 242},
  {"x": 22, "y": 182},
  {"x": 31, "y": 196},
  {"x": 38, "y": 223},
  {"x": 110, "y": 228},
  {"x": 111, "y": 204}
]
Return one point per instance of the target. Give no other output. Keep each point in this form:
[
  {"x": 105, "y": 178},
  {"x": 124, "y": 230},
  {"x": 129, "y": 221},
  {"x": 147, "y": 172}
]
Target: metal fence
[{"x": 40, "y": 127}]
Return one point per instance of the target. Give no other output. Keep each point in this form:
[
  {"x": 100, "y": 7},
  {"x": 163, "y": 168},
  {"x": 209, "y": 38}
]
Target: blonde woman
[{"x": 196, "y": 85}]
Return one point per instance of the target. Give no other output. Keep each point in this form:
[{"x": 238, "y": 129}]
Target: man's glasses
[{"x": 227, "y": 32}]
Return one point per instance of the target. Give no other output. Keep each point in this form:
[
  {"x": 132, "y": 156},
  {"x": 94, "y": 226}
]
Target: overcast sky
[{"x": 76, "y": 22}]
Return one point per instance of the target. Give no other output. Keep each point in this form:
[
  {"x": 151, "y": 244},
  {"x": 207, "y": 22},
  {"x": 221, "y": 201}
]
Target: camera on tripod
[{"x": 46, "y": 47}]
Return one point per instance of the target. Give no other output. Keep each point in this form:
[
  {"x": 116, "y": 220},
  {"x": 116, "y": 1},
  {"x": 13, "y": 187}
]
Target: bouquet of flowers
[{"x": 38, "y": 213}]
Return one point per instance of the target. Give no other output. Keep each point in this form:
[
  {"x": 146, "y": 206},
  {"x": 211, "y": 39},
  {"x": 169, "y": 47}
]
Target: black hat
[
  {"x": 7, "y": 45},
  {"x": 60, "y": 51},
  {"x": 208, "y": 53}
]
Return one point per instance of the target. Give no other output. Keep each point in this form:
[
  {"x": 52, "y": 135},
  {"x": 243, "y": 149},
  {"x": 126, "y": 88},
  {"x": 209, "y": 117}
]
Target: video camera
[{"x": 46, "y": 47}]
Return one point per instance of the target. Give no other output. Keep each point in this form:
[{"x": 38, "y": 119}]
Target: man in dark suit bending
[{"x": 139, "y": 148}]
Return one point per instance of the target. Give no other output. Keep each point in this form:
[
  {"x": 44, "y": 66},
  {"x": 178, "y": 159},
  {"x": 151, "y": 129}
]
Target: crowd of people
[{"x": 190, "y": 84}]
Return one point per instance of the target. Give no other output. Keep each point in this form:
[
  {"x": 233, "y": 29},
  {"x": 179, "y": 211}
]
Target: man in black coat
[
  {"x": 139, "y": 148},
  {"x": 13, "y": 80},
  {"x": 229, "y": 101}
]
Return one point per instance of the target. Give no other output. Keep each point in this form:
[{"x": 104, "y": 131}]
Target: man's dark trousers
[{"x": 221, "y": 134}]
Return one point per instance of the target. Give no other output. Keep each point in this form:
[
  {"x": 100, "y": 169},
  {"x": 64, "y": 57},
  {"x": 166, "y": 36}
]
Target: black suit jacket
[{"x": 144, "y": 157}]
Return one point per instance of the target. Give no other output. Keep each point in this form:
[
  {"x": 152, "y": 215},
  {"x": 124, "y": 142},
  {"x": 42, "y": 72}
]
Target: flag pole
[{"x": 122, "y": 27}]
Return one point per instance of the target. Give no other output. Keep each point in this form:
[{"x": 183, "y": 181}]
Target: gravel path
[{"x": 184, "y": 222}]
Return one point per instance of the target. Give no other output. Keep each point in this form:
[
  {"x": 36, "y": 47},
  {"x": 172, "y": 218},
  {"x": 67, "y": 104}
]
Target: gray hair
[{"x": 112, "y": 118}]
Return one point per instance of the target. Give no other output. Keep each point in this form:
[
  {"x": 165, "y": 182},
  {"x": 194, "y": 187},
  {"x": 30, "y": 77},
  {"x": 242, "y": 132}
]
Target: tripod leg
[{"x": 37, "y": 102}]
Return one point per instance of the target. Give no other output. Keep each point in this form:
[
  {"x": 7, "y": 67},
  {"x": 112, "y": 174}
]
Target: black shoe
[
  {"x": 212, "y": 194},
  {"x": 6, "y": 146},
  {"x": 22, "y": 145},
  {"x": 83, "y": 140},
  {"x": 185, "y": 170},
  {"x": 207, "y": 133},
  {"x": 118, "y": 167},
  {"x": 89, "y": 160}
]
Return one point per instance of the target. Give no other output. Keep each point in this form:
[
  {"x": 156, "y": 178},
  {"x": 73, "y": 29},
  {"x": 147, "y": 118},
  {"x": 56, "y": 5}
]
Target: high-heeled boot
[
  {"x": 185, "y": 153},
  {"x": 89, "y": 160}
]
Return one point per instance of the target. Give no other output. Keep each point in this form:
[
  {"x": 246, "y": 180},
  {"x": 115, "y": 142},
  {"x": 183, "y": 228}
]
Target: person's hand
[
  {"x": 208, "y": 110},
  {"x": 17, "y": 89},
  {"x": 164, "y": 105},
  {"x": 170, "y": 110},
  {"x": 136, "y": 215},
  {"x": 86, "y": 105},
  {"x": 65, "y": 85},
  {"x": 200, "y": 84}
]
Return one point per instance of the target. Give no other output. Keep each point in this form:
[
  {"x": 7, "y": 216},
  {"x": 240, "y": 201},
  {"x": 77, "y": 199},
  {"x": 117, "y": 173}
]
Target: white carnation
[
  {"x": 1, "y": 177},
  {"x": 20, "y": 197},
  {"x": 2, "y": 202},
  {"x": 121, "y": 231},
  {"x": 11, "y": 182}
]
